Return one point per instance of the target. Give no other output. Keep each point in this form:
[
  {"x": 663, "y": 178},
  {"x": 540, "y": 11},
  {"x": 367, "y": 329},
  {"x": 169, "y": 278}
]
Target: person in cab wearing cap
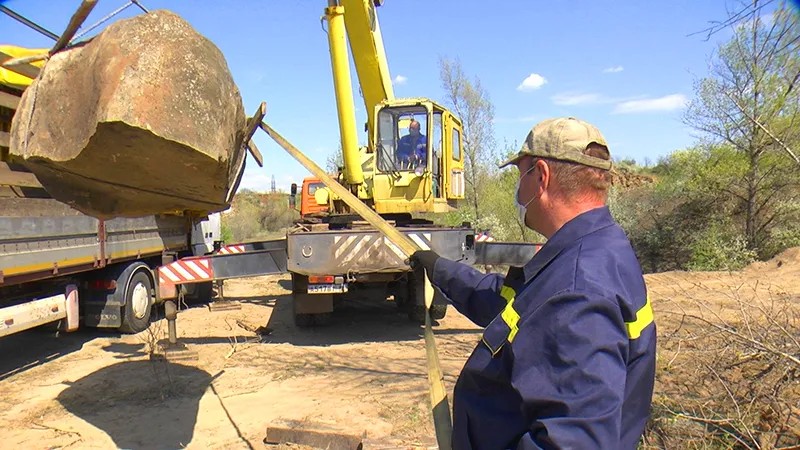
[{"x": 567, "y": 354}]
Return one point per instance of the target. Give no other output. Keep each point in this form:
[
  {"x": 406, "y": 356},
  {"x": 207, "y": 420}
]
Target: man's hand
[{"x": 424, "y": 258}]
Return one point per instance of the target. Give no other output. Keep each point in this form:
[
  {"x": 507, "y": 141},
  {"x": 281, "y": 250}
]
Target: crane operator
[{"x": 413, "y": 147}]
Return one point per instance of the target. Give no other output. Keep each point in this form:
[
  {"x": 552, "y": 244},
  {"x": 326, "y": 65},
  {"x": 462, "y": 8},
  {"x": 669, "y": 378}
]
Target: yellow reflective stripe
[
  {"x": 510, "y": 317},
  {"x": 507, "y": 293},
  {"x": 644, "y": 317},
  {"x": 509, "y": 314}
]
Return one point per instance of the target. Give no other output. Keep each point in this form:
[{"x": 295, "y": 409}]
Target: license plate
[{"x": 327, "y": 288}]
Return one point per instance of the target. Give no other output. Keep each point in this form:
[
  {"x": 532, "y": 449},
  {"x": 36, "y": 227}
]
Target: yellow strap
[
  {"x": 644, "y": 317},
  {"x": 442, "y": 422}
]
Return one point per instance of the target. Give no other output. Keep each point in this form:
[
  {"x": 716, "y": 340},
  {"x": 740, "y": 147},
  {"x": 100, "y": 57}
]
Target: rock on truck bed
[{"x": 143, "y": 119}]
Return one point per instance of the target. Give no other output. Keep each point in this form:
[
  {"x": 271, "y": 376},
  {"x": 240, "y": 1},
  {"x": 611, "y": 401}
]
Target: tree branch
[{"x": 763, "y": 128}]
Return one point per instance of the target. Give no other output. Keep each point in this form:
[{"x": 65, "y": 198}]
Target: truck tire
[
  {"x": 417, "y": 313},
  {"x": 304, "y": 320},
  {"x": 199, "y": 293},
  {"x": 138, "y": 304}
]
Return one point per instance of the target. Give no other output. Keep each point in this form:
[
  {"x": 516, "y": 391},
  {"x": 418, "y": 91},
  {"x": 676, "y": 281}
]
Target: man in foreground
[{"x": 567, "y": 357}]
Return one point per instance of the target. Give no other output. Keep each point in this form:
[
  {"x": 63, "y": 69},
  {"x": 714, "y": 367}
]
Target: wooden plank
[
  {"x": 10, "y": 177},
  {"x": 315, "y": 435},
  {"x": 256, "y": 153},
  {"x": 252, "y": 126},
  {"x": 9, "y": 101},
  {"x": 29, "y": 70},
  {"x": 75, "y": 23}
]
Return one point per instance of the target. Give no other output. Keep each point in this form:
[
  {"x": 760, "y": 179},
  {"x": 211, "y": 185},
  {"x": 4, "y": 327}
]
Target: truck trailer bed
[{"x": 42, "y": 238}]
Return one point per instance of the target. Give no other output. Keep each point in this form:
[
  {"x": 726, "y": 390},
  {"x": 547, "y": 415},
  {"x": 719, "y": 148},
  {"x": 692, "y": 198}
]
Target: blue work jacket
[
  {"x": 408, "y": 146},
  {"x": 567, "y": 356}
]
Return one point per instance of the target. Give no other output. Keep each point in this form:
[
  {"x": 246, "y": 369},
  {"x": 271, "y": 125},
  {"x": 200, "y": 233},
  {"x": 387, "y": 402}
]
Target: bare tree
[
  {"x": 742, "y": 14},
  {"x": 334, "y": 161},
  {"x": 470, "y": 102},
  {"x": 751, "y": 103}
]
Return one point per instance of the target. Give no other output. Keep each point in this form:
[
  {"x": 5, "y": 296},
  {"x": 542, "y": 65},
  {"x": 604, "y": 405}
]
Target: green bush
[
  {"x": 227, "y": 233},
  {"x": 719, "y": 248}
]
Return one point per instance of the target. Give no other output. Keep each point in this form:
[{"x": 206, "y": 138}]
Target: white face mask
[{"x": 522, "y": 209}]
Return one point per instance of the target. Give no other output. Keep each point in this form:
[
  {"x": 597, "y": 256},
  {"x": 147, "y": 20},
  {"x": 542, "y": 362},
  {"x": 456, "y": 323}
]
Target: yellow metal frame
[{"x": 388, "y": 193}]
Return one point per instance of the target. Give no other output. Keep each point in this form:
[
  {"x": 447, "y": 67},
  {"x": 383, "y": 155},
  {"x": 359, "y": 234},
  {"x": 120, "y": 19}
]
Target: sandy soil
[{"x": 363, "y": 373}]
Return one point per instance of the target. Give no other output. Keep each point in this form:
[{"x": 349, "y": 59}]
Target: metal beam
[
  {"x": 250, "y": 264},
  {"x": 504, "y": 253},
  {"x": 29, "y": 23}
]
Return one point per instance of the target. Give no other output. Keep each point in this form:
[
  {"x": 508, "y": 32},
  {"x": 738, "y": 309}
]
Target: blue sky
[{"x": 627, "y": 66}]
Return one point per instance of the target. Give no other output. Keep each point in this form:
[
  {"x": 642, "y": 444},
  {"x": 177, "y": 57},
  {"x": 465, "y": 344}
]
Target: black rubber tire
[
  {"x": 131, "y": 323},
  {"x": 438, "y": 312},
  {"x": 311, "y": 320},
  {"x": 304, "y": 320},
  {"x": 323, "y": 319},
  {"x": 416, "y": 313}
]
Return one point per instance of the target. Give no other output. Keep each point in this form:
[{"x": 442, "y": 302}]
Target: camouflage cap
[{"x": 564, "y": 138}]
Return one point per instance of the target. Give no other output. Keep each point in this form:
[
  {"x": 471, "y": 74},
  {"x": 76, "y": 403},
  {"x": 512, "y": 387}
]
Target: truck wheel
[
  {"x": 323, "y": 319},
  {"x": 417, "y": 313},
  {"x": 438, "y": 312},
  {"x": 138, "y": 304},
  {"x": 310, "y": 320},
  {"x": 304, "y": 320}
]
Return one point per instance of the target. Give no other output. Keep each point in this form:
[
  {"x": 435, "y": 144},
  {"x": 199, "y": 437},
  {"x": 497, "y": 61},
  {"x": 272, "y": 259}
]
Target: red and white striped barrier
[
  {"x": 183, "y": 271},
  {"x": 229, "y": 249},
  {"x": 483, "y": 237}
]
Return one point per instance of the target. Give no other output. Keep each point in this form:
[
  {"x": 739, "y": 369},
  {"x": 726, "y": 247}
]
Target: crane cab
[{"x": 418, "y": 158}]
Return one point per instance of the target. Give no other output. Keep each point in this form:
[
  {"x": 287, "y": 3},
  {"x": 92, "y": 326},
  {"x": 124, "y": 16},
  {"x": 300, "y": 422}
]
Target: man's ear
[{"x": 543, "y": 176}]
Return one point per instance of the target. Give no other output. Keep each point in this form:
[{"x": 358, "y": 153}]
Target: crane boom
[
  {"x": 369, "y": 57},
  {"x": 413, "y": 159}
]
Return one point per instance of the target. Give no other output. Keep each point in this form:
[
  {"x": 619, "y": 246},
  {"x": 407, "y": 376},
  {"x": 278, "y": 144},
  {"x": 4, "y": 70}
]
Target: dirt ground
[{"x": 363, "y": 373}]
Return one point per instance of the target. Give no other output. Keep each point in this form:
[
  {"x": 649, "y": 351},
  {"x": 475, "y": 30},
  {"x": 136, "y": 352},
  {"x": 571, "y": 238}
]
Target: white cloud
[
  {"x": 613, "y": 69},
  {"x": 533, "y": 82},
  {"x": 665, "y": 103},
  {"x": 399, "y": 79}
]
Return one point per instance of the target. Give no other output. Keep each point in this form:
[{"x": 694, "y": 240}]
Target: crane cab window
[
  {"x": 403, "y": 139},
  {"x": 456, "y": 144}
]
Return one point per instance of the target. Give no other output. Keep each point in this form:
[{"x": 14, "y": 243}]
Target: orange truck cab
[{"x": 311, "y": 201}]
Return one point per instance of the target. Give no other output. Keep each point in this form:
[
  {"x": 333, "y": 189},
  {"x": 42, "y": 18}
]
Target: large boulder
[{"x": 144, "y": 119}]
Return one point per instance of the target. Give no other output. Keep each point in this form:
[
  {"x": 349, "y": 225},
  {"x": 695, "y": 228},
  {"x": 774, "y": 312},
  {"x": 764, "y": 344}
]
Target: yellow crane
[{"x": 398, "y": 172}]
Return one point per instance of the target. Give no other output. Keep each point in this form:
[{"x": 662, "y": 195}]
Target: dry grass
[{"x": 728, "y": 372}]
